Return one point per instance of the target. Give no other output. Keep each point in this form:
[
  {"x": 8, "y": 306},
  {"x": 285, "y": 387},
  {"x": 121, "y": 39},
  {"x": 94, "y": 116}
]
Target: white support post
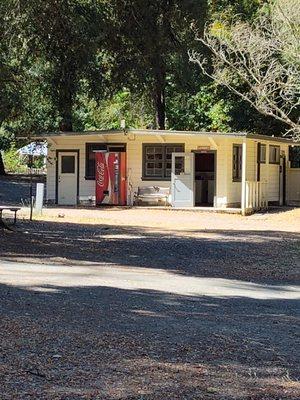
[
  {"x": 244, "y": 177},
  {"x": 39, "y": 199}
]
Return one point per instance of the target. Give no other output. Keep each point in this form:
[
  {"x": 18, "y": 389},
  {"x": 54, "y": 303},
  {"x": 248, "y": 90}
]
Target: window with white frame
[{"x": 157, "y": 160}]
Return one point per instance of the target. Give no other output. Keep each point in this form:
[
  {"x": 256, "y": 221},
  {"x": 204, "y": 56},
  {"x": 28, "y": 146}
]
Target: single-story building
[{"x": 220, "y": 170}]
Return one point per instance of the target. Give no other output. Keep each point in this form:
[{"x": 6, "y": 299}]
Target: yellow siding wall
[
  {"x": 227, "y": 191},
  {"x": 134, "y": 156},
  {"x": 293, "y": 186},
  {"x": 134, "y": 160}
]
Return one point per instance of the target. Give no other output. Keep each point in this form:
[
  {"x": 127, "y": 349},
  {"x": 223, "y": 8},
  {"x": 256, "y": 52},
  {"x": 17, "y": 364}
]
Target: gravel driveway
[{"x": 130, "y": 305}]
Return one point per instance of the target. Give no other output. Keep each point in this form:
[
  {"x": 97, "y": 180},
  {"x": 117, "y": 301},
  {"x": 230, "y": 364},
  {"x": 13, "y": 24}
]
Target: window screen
[{"x": 67, "y": 164}]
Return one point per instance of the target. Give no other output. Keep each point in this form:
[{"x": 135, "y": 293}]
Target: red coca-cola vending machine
[{"x": 111, "y": 185}]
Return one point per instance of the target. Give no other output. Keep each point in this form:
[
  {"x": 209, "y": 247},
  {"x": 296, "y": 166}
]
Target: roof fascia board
[
  {"x": 272, "y": 138},
  {"x": 185, "y": 133},
  {"x": 143, "y": 132},
  {"x": 163, "y": 133}
]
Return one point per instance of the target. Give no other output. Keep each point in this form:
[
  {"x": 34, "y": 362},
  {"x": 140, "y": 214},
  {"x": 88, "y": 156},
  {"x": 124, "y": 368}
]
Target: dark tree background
[{"x": 84, "y": 64}]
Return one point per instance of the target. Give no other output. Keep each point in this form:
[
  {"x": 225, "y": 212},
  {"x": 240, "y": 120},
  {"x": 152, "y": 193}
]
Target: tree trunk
[
  {"x": 2, "y": 169},
  {"x": 160, "y": 99},
  {"x": 66, "y": 124},
  {"x": 160, "y": 106},
  {"x": 65, "y": 107}
]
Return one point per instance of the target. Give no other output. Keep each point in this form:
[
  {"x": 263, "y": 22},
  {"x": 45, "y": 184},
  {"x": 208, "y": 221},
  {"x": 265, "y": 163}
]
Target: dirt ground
[
  {"x": 286, "y": 219},
  {"x": 150, "y": 304}
]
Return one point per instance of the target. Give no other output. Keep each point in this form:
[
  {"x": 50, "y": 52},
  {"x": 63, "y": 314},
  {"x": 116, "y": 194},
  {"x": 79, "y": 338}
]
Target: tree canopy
[
  {"x": 260, "y": 62},
  {"x": 154, "y": 36},
  {"x": 82, "y": 64}
]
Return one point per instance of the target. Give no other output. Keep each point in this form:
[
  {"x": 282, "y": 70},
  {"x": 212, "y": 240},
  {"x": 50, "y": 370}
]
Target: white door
[
  {"x": 67, "y": 178},
  {"x": 183, "y": 180}
]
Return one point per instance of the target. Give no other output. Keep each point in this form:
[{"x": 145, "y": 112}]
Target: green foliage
[
  {"x": 228, "y": 9},
  {"x": 19, "y": 164},
  {"x": 38, "y": 113},
  {"x": 150, "y": 35},
  {"x": 60, "y": 42},
  {"x": 204, "y": 110},
  {"x": 107, "y": 114},
  {"x": 9, "y": 74},
  {"x": 64, "y": 64},
  {"x": 6, "y": 138},
  {"x": 13, "y": 162}
]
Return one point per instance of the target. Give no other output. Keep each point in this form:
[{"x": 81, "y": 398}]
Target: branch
[{"x": 256, "y": 55}]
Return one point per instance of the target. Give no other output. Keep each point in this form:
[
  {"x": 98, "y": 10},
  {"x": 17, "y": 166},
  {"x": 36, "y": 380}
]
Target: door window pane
[
  {"x": 179, "y": 166},
  {"x": 294, "y": 156},
  {"x": 274, "y": 156},
  {"x": 67, "y": 164},
  {"x": 262, "y": 153}
]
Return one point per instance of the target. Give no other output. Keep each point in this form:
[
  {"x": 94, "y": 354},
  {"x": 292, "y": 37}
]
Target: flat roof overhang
[{"x": 152, "y": 132}]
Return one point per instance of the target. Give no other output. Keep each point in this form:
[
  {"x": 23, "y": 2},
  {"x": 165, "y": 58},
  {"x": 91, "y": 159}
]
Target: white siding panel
[{"x": 273, "y": 182}]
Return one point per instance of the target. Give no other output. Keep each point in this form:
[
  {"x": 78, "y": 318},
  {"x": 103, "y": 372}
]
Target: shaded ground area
[
  {"x": 257, "y": 256},
  {"x": 103, "y": 311},
  {"x": 15, "y": 189}
]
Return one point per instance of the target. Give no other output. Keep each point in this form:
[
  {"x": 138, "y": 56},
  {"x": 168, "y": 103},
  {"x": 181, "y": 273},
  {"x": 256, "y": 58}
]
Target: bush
[{"x": 13, "y": 162}]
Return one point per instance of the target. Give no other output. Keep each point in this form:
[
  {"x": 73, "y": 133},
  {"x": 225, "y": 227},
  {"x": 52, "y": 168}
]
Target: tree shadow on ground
[
  {"x": 78, "y": 340},
  {"x": 107, "y": 343},
  {"x": 256, "y": 256}
]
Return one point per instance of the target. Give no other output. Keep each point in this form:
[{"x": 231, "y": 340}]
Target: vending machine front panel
[{"x": 110, "y": 177}]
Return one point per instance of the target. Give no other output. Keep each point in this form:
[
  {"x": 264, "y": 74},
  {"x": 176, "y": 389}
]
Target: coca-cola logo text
[{"x": 100, "y": 171}]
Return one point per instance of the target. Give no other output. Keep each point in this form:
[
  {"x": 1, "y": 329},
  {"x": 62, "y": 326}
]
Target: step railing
[{"x": 256, "y": 195}]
